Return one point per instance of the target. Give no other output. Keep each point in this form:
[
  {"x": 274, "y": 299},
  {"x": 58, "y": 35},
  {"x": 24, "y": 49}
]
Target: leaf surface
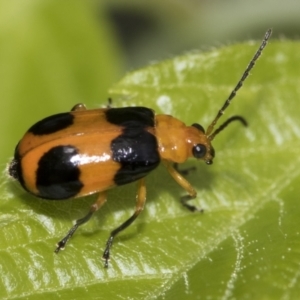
[{"x": 245, "y": 245}]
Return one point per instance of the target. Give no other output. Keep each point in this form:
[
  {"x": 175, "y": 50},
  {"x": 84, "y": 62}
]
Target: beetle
[{"x": 82, "y": 152}]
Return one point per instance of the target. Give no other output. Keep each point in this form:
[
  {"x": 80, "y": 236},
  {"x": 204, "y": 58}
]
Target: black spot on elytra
[
  {"x": 57, "y": 176},
  {"x": 135, "y": 149},
  {"x": 131, "y": 116},
  {"x": 52, "y": 124}
]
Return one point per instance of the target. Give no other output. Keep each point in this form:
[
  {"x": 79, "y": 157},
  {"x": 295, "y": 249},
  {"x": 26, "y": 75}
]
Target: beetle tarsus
[
  {"x": 192, "y": 208},
  {"x": 62, "y": 243},
  {"x": 106, "y": 253}
]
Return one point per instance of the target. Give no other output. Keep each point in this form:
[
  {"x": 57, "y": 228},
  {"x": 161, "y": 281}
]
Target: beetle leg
[
  {"x": 100, "y": 201},
  {"x": 109, "y": 103},
  {"x": 184, "y": 184},
  {"x": 185, "y": 171},
  {"x": 78, "y": 107},
  {"x": 140, "y": 202}
]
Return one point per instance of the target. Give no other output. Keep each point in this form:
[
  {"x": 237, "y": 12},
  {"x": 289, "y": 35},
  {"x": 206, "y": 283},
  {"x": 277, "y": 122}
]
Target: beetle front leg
[
  {"x": 184, "y": 184},
  {"x": 140, "y": 202},
  {"x": 100, "y": 201}
]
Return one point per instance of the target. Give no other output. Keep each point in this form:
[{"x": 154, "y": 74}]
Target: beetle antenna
[
  {"x": 226, "y": 123},
  {"x": 238, "y": 86}
]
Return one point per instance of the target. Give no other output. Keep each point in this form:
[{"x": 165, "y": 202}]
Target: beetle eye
[{"x": 199, "y": 151}]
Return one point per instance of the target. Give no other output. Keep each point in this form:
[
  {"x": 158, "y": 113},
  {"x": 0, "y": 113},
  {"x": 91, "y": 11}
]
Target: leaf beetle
[{"x": 82, "y": 152}]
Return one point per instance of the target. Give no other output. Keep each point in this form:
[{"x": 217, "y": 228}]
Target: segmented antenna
[{"x": 238, "y": 86}]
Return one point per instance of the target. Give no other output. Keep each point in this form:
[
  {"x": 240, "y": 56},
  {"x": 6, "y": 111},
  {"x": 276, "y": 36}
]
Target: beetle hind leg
[
  {"x": 140, "y": 202},
  {"x": 175, "y": 173},
  {"x": 100, "y": 201},
  {"x": 78, "y": 107}
]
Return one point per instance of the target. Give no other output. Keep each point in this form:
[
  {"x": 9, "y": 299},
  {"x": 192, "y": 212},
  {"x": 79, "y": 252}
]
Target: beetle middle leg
[
  {"x": 140, "y": 202},
  {"x": 100, "y": 201},
  {"x": 184, "y": 184},
  {"x": 109, "y": 103},
  {"x": 185, "y": 171}
]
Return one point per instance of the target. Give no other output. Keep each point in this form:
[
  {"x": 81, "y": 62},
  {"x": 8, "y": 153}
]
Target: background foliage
[{"x": 245, "y": 245}]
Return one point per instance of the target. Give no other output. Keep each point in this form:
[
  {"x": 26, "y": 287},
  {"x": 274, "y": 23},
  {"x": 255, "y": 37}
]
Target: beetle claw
[
  {"x": 60, "y": 246},
  {"x": 106, "y": 259}
]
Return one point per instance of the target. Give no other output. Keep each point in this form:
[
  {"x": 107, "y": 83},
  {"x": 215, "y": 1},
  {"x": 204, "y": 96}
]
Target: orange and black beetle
[{"x": 82, "y": 152}]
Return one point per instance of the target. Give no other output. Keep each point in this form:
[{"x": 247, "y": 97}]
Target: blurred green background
[{"x": 54, "y": 54}]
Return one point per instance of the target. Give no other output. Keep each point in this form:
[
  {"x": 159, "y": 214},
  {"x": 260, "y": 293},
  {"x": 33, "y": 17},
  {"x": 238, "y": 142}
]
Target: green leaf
[{"x": 245, "y": 245}]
